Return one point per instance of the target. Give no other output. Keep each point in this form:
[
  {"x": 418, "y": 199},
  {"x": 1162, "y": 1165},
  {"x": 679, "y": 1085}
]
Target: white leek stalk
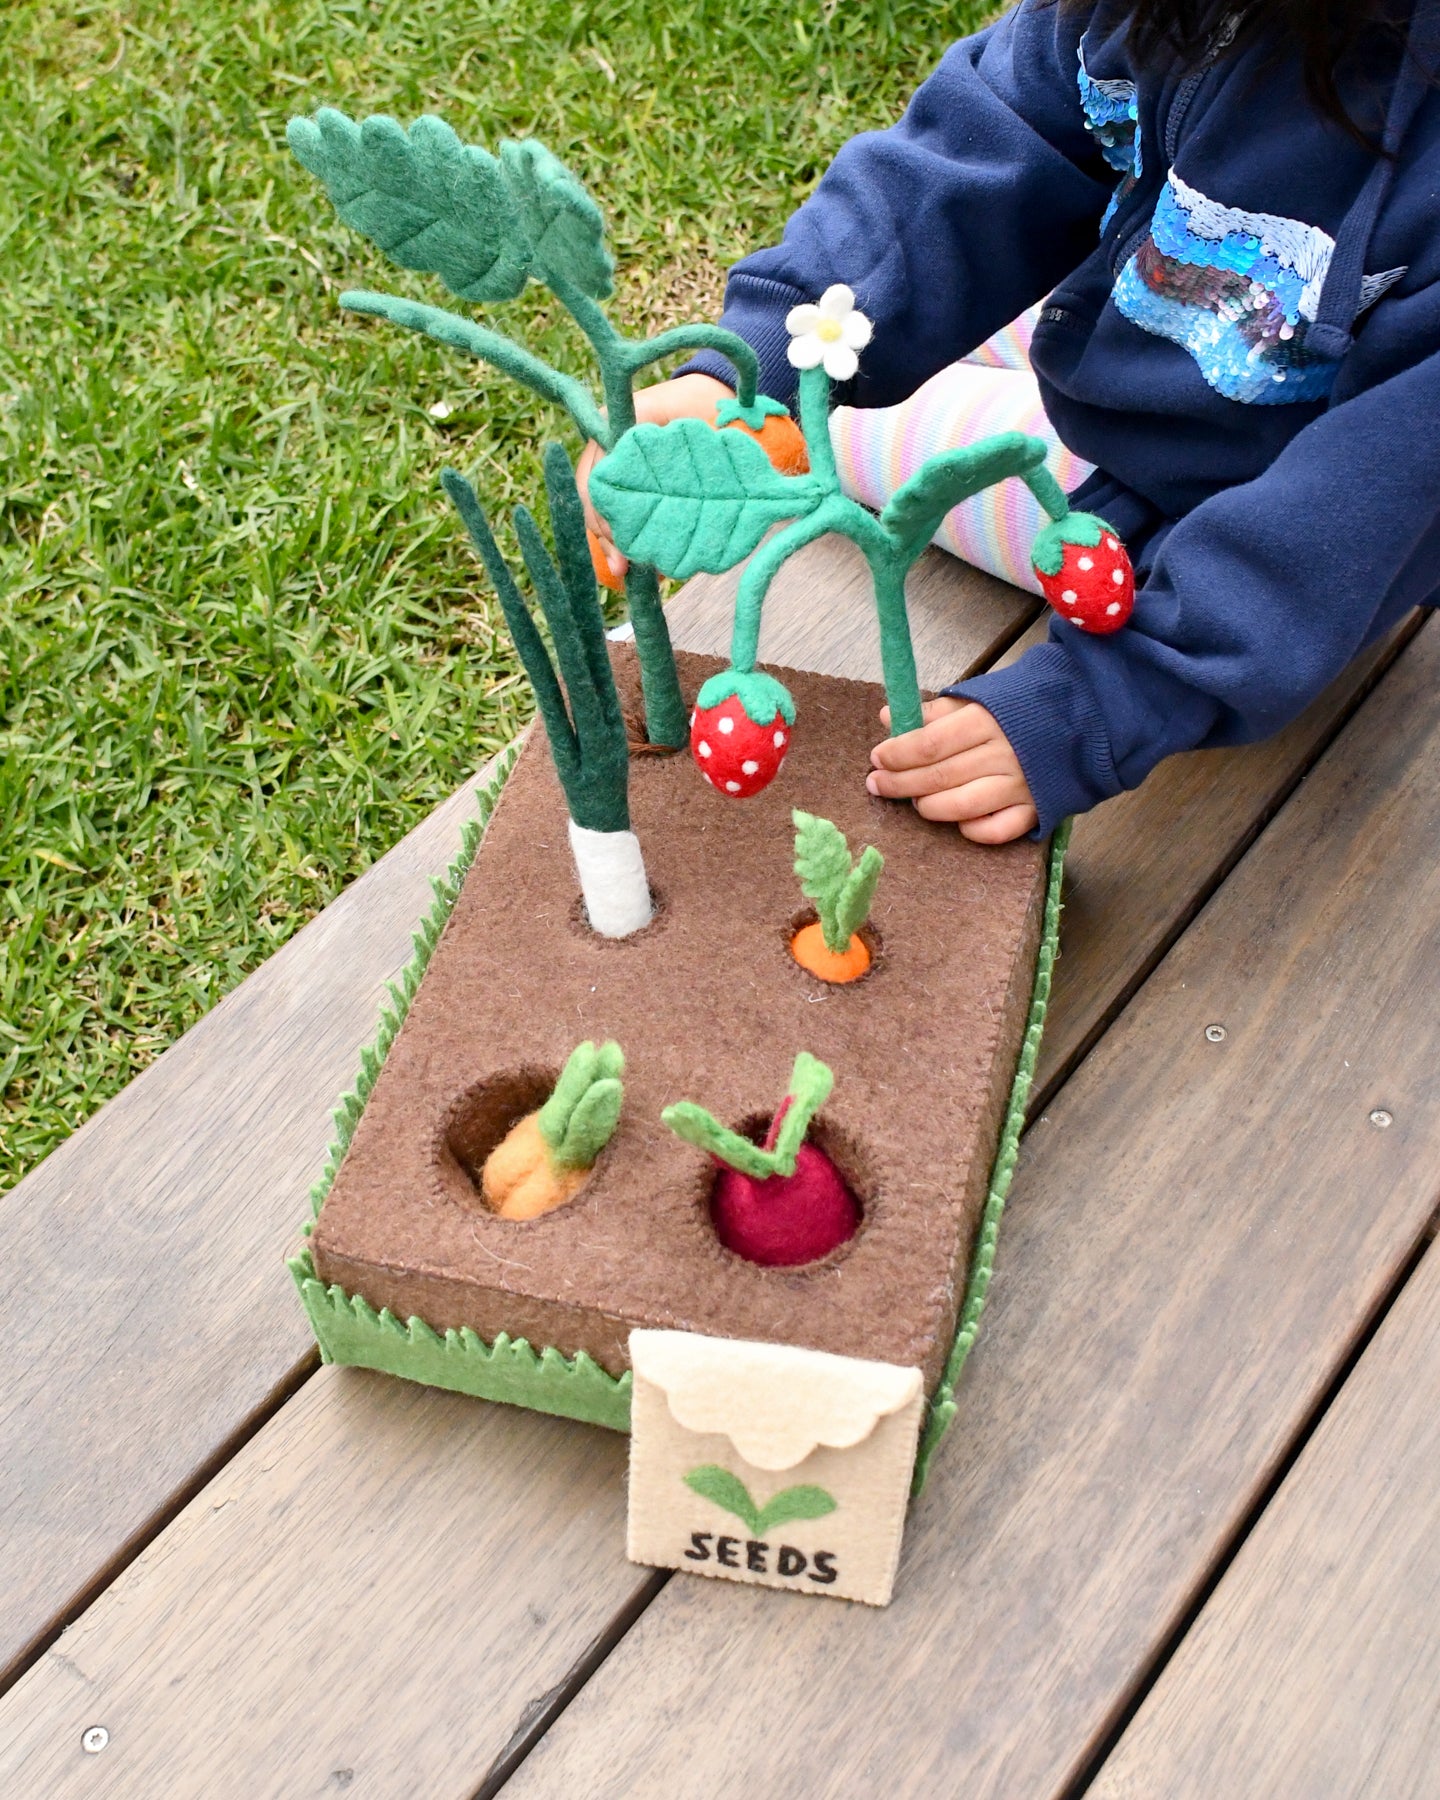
[{"x": 612, "y": 880}]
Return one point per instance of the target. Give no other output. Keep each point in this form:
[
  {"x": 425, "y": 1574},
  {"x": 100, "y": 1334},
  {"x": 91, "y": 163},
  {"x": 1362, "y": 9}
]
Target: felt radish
[
  {"x": 740, "y": 731},
  {"x": 783, "y": 1202},
  {"x": 1085, "y": 572},
  {"x": 546, "y": 1158},
  {"x": 832, "y": 948}
]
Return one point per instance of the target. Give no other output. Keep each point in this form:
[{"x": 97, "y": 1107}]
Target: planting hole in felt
[{"x": 480, "y": 1119}]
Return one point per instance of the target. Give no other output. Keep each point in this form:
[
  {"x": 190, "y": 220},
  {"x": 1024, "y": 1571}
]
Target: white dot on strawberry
[
  {"x": 732, "y": 787},
  {"x": 1118, "y": 577},
  {"x": 749, "y": 768},
  {"x": 703, "y": 747},
  {"x": 1111, "y": 544},
  {"x": 727, "y": 725},
  {"x": 1069, "y": 596},
  {"x": 1113, "y": 608},
  {"x": 1086, "y": 562},
  {"x": 779, "y": 740}
]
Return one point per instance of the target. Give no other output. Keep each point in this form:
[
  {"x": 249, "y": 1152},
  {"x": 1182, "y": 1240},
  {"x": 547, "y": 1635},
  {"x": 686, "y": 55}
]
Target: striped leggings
[{"x": 991, "y": 390}]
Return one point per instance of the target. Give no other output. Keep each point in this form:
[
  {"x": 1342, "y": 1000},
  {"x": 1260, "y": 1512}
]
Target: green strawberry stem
[{"x": 1048, "y": 491}]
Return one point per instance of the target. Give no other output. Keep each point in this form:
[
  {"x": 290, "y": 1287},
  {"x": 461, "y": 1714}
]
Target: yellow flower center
[{"x": 828, "y": 331}]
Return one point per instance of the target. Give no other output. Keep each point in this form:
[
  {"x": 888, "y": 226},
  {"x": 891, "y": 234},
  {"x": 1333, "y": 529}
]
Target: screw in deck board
[
  {"x": 94, "y": 1739},
  {"x": 1215, "y": 1034},
  {"x": 1380, "y": 1119}
]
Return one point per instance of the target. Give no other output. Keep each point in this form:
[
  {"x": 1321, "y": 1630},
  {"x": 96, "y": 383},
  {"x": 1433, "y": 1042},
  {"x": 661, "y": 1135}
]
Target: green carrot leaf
[
  {"x": 424, "y": 198},
  {"x": 794, "y": 1503},
  {"x": 562, "y": 222},
  {"x": 822, "y": 861},
  {"x": 591, "y": 1125},
  {"x": 686, "y": 498},
  {"x": 852, "y": 907},
  {"x": 728, "y": 1492}
]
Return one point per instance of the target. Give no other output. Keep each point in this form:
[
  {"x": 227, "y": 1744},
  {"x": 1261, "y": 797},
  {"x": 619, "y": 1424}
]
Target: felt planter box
[{"x": 412, "y": 1273}]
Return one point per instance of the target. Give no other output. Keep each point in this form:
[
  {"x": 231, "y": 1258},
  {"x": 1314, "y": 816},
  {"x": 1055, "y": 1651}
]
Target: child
[{"x": 1231, "y": 217}]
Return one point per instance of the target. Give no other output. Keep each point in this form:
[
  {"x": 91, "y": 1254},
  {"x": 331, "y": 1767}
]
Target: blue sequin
[{"x": 1112, "y": 118}]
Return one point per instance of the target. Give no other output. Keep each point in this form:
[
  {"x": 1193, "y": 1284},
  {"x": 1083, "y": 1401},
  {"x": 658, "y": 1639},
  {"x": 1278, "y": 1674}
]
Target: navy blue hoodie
[{"x": 1241, "y": 331}]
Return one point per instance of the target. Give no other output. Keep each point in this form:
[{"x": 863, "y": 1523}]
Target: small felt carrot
[
  {"x": 832, "y": 948},
  {"x": 546, "y": 1158}
]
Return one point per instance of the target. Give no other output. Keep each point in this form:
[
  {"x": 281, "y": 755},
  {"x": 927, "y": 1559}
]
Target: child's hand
[
  {"x": 957, "y": 768},
  {"x": 693, "y": 396}
]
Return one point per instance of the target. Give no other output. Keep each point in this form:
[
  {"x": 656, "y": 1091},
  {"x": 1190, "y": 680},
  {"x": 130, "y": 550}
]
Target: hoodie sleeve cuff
[
  {"x": 1043, "y": 705},
  {"x": 755, "y": 309}
]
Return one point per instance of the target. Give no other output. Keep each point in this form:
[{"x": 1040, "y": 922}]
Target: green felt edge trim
[
  {"x": 942, "y": 1403},
  {"x": 350, "y": 1331}
]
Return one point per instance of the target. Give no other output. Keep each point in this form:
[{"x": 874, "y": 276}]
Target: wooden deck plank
[
  {"x": 146, "y": 1312},
  {"x": 1313, "y": 1672},
  {"x": 365, "y": 1557},
  {"x": 1198, "y": 1232}
]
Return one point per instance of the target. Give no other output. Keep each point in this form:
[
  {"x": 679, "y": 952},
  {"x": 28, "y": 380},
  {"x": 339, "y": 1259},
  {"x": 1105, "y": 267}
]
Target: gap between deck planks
[
  {"x": 444, "y": 1431},
  {"x": 1313, "y": 1672}
]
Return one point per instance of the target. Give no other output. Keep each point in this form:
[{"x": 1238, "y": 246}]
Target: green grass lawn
[{"x": 243, "y": 648}]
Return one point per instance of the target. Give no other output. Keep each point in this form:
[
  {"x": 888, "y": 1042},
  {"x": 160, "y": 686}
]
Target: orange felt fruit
[
  {"x": 616, "y": 584},
  {"x": 814, "y": 955},
  {"x": 782, "y": 441}
]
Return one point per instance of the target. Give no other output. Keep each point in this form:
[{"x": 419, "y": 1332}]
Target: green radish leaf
[
  {"x": 564, "y": 225},
  {"x": 688, "y": 499},
  {"x": 852, "y": 908},
  {"x": 794, "y": 1503},
  {"x": 810, "y": 1083},
  {"x": 427, "y": 200},
  {"x": 915, "y": 510},
  {"x": 729, "y": 1493},
  {"x": 822, "y": 861},
  {"x": 695, "y": 1126}
]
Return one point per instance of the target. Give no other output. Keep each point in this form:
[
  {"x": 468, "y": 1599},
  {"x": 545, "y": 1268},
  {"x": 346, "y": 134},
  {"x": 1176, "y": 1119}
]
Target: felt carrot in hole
[
  {"x": 546, "y": 1158},
  {"x": 782, "y": 1202},
  {"x": 832, "y": 948}
]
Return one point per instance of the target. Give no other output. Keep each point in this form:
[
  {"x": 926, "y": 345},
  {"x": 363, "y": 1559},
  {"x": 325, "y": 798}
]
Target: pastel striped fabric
[{"x": 993, "y": 390}]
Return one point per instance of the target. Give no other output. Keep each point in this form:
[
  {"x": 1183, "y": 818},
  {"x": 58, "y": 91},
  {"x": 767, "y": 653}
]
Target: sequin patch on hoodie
[{"x": 1112, "y": 119}]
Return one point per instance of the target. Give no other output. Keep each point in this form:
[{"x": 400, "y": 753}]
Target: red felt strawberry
[
  {"x": 740, "y": 731},
  {"x": 1085, "y": 573}
]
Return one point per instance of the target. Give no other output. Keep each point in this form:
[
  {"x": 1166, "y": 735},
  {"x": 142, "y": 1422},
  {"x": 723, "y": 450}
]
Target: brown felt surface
[{"x": 709, "y": 1007}]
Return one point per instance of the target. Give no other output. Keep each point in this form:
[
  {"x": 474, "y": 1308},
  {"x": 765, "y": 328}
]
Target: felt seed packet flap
[{"x": 770, "y": 1464}]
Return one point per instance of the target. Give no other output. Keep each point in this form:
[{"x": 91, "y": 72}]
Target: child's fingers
[
  {"x": 945, "y": 735},
  {"x": 1001, "y": 827},
  {"x": 993, "y": 757},
  {"x": 929, "y": 709},
  {"x": 992, "y": 793}
]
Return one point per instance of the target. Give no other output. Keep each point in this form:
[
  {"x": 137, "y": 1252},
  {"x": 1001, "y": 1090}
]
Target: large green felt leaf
[
  {"x": 564, "y": 225},
  {"x": 427, "y": 200},
  {"x": 686, "y": 498}
]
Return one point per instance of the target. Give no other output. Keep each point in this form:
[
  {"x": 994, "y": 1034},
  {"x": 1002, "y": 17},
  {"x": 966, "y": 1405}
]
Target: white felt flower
[{"x": 831, "y": 333}]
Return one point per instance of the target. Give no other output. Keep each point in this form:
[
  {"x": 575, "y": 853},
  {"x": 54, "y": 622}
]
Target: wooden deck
[{"x": 1180, "y": 1542}]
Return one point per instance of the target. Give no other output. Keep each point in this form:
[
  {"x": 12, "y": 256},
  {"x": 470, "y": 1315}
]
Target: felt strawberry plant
[
  {"x": 583, "y": 722},
  {"x": 546, "y": 1158},
  {"x": 687, "y": 502},
  {"x": 781, "y": 1202},
  {"x": 832, "y": 947},
  {"x": 486, "y": 224}
]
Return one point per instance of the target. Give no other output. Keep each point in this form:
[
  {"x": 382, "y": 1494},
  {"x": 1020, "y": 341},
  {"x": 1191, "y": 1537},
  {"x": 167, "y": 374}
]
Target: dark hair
[{"x": 1324, "y": 34}]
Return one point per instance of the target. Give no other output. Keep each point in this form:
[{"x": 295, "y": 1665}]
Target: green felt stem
[
  {"x": 765, "y": 565},
  {"x": 463, "y": 334},
  {"x": 667, "y": 721},
  {"x": 701, "y": 337},
  {"x": 897, "y": 652},
  {"x": 942, "y": 1403},
  {"x": 810, "y": 1085},
  {"x": 1048, "y": 491},
  {"x": 815, "y": 424}
]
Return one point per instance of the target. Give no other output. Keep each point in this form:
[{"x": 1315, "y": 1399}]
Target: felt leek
[{"x": 582, "y": 720}]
